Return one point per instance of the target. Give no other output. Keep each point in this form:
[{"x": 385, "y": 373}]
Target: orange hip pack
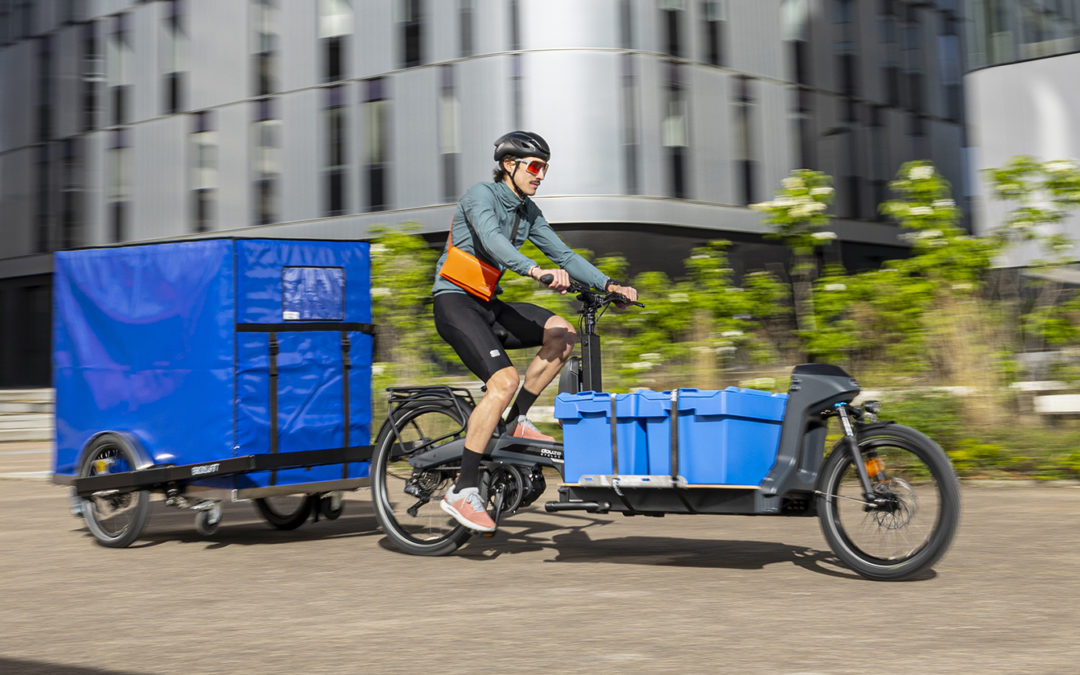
[{"x": 468, "y": 272}]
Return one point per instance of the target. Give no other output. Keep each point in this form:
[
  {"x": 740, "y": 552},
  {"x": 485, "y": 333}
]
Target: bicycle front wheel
[
  {"x": 406, "y": 500},
  {"x": 916, "y": 509}
]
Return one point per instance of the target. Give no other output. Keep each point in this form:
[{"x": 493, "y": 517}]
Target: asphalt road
[{"x": 548, "y": 593}]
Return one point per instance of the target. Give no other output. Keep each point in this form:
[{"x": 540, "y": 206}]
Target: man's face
[{"x": 529, "y": 173}]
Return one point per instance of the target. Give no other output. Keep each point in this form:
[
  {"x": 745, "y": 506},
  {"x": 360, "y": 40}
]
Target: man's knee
[
  {"x": 560, "y": 334},
  {"x": 503, "y": 384}
]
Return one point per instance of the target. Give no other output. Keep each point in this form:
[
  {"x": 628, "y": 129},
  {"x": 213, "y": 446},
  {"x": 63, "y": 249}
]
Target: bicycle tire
[
  {"x": 915, "y": 531},
  {"x": 428, "y": 530},
  {"x": 114, "y": 520}
]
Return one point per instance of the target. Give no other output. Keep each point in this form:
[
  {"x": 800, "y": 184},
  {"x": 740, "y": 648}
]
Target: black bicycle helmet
[{"x": 521, "y": 144}]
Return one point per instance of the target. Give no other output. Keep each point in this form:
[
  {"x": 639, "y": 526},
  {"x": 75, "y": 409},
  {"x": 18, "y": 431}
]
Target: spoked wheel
[
  {"x": 115, "y": 518},
  {"x": 407, "y": 500},
  {"x": 285, "y": 512},
  {"x": 914, "y": 515}
]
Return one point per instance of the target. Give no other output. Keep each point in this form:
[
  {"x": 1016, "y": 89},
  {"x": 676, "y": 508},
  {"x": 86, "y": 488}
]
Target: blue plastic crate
[
  {"x": 726, "y": 437},
  {"x": 586, "y": 423}
]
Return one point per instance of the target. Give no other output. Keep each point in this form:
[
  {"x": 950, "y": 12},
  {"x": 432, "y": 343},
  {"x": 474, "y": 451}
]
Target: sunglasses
[{"x": 536, "y": 166}]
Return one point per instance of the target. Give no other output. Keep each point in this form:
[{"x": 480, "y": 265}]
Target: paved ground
[{"x": 549, "y": 593}]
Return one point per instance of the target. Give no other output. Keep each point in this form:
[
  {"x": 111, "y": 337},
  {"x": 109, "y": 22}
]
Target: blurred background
[{"x": 691, "y": 141}]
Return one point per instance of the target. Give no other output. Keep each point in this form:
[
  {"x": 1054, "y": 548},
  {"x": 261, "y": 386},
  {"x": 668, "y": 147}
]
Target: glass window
[
  {"x": 674, "y": 133},
  {"x": 93, "y": 73},
  {"x": 118, "y": 67},
  {"x": 630, "y": 123},
  {"x": 465, "y": 18},
  {"x": 377, "y": 141},
  {"x": 335, "y": 25},
  {"x": 71, "y": 193},
  {"x": 204, "y": 170},
  {"x": 672, "y": 11},
  {"x": 43, "y": 202},
  {"x": 449, "y": 132},
  {"x": 118, "y": 192},
  {"x": 715, "y": 13},
  {"x": 265, "y": 40},
  {"x": 45, "y": 87},
  {"x": 412, "y": 33},
  {"x": 745, "y": 162},
  {"x": 173, "y": 56},
  {"x": 336, "y": 151},
  {"x": 267, "y": 167}
]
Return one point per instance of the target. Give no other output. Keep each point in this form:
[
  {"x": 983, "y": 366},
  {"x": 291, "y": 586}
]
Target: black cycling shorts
[{"x": 481, "y": 332}]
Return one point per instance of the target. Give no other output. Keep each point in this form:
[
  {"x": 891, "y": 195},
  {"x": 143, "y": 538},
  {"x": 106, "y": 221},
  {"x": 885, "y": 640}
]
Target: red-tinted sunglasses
[{"x": 536, "y": 166}]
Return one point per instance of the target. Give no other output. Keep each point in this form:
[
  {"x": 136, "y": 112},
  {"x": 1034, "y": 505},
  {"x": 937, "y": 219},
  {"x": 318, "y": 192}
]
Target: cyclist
[{"x": 491, "y": 222}]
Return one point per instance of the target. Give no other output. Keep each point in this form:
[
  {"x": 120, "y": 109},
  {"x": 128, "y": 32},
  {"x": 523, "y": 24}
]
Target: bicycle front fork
[{"x": 852, "y": 441}]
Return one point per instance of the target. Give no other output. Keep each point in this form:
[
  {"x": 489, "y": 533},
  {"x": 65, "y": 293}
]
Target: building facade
[
  {"x": 125, "y": 121},
  {"x": 1023, "y": 60}
]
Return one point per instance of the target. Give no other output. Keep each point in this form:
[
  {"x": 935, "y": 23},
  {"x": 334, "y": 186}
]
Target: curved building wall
[{"x": 1029, "y": 108}]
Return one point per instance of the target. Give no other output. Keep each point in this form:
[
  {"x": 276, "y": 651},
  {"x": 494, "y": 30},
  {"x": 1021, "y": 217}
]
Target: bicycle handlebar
[{"x": 597, "y": 297}]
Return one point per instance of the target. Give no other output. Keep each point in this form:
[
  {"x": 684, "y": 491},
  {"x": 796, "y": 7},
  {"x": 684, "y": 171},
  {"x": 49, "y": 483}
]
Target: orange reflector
[{"x": 874, "y": 466}]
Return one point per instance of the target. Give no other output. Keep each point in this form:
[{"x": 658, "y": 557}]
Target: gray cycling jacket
[{"x": 490, "y": 208}]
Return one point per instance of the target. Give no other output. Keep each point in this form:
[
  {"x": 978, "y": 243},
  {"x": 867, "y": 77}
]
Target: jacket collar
[{"x": 508, "y": 198}]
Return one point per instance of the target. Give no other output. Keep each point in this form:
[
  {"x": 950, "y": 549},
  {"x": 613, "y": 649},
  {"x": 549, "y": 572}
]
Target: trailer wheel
[
  {"x": 114, "y": 517},
  {"x": 286, "y": 512},
  {"x": 208, "y": 520}
]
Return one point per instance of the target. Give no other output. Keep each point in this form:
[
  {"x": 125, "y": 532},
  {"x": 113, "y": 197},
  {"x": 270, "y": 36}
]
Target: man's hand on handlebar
[
  {"x": 628, "y": 292},
  {"x": 557, "y": 279}
]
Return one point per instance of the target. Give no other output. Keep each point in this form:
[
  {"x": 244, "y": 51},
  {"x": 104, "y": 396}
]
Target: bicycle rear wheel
[
  {"x": 914, "y": 523},
  {"x": 407, "y": 500}
]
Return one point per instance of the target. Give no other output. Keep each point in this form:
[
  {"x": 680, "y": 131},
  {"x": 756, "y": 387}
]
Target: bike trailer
[
  {"x": 242, "y": 364},
  {"x": 687, "y": 436}
]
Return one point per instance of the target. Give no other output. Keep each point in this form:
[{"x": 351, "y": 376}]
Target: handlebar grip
[{"x": 546, "y": 279}]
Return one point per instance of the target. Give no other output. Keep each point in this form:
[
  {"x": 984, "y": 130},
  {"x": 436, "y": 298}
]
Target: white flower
[
  {"x": 725, "y": 350},
  {"x": 1060, "y": 165},
  {"x": 824, "y": 236},
  {"x": 921, "y": 172},
  {"x": 378, "y": 368},
  {"x": 641, "y": 365},
  {"x": 380, "y": 291},
  {"x": 921, "y": 211},
  {"x": 731, "y": 333},
  {"x": 679, "y": 297},
  {"x": 651, "y": 356},
  {"x": 962, "y": 287},
  {"x": 944, "y": 204},
  {"x": 378, "y": 248},
  {"x": 928, "y": 234},
  {"x": 821, "y": 191},
  {"x": 835, "y": 287},
  {"x": 793, "y": 182}
]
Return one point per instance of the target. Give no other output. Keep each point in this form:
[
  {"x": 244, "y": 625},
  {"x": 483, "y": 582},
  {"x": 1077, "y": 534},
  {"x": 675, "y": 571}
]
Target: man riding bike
[{"x": 491, "y": 222}]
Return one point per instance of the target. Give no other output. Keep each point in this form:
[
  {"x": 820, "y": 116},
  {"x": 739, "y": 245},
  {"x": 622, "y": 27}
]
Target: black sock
[
  {"x": 470, "y": 470},
  {"x": 524, "y": 401}
]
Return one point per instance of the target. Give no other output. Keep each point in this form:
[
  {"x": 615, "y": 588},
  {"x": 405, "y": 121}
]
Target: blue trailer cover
[{"x": 193, "y": 347}]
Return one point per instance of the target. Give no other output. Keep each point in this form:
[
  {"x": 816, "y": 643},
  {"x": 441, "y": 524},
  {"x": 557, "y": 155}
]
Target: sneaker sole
[{"x": 446, "y": 506}]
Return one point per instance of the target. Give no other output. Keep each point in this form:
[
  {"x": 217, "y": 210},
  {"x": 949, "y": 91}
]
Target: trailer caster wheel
[
  {"x": 331, "y": 505},
  {"x": 208, "y": 520}
]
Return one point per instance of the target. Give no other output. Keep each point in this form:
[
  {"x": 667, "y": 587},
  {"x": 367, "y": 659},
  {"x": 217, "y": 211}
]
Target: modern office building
[
  {"x": 124, "y": 121},
  {"x": 1023, "y": 60}
]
